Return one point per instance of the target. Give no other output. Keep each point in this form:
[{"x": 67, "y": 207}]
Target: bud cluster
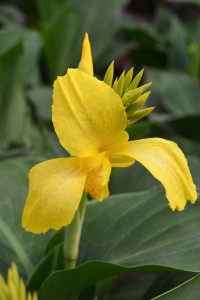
[
  {"x": 14, "y": 289},
  {"x": 131, "y": 95}
]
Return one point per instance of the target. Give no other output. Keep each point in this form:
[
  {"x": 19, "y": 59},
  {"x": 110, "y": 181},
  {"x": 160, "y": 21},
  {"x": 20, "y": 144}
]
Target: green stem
[{"x": 73, "y": 234}]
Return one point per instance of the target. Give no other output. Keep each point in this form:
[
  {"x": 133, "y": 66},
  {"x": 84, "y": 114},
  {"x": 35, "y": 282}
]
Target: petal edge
[
  {"x": 167, "y": 163},
  {"x": 55, "y": 191}
]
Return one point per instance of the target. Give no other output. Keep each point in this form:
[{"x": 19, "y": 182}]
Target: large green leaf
[
  {"x": 126, "y": 287},
  {"x": 178, "y": 92},
  {"x": 169, "y": 125},
  {"x": 68, "y": 284},
  {"x": 47, "y": 265},
  {"x": 150, "y": 48},
  {"x": 139, "y": 229},
  {"x": 101, "y": 33},
  {"x": 31, "y": 54},
  {"x": 58, "y": 34},
  {"x": 166, "y": 281},
  {"x": 173, "y": 31},
  {"x": 17, "y": 65},
  {"x": 15, "y": 244},
  {"x": 63, "y": 25},
  {"x": 177, "y": 53},
  {"x": 187, "y": 291},
  {"x": 189, "y": 146},
  {"x": 135, "y": 230},
  {"x": 141, "y": 285},
  {"x": 13, "y": 108},
  {"x": 125, "y": 180}
]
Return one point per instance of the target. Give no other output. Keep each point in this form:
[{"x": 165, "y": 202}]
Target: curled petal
[
  {"x": 121, "y": 160},
  {"x": 97, "y": 180},
  {"x": 167, "y": 163},
  {"x": 55, "y": 190},
  {"x": 87, "y": 114},
  {"x": 86, "y": 63}
]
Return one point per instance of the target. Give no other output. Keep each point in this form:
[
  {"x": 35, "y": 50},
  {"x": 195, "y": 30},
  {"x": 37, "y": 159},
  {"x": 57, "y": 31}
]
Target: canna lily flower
[
  {"x": 14, "y": 289},
  {"x": 90, "y": 118}
]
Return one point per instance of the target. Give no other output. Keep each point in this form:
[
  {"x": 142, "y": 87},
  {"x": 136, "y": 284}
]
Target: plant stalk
[{"x": 73, "y": 234}]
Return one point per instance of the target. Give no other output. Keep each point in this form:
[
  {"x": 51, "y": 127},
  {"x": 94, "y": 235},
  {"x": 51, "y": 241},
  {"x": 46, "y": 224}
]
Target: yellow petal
[
  {"x": 86, "y": 63},
  {"x": 118, "y": 142},
  {"x": 87, "y": 114},
  {"x": 89, "y": 163},
  {"x": 117, "y": 153},
  {"x": 167, "y": 163},
  {"x": 121, "y": 160},
  {"x": 55, "y": 190},
  {"x": 97, "y": 180}
]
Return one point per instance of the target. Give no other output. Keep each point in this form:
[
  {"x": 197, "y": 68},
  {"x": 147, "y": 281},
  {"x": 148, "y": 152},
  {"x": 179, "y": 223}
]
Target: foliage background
[{"x": 128, "y": 233}]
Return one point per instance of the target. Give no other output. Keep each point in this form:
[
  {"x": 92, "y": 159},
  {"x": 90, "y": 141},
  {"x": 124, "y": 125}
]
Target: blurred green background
[{"x": 39, "y": 40}]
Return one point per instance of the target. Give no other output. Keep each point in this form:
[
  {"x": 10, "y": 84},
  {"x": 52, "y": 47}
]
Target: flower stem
[{"x": 73, "y": 234}]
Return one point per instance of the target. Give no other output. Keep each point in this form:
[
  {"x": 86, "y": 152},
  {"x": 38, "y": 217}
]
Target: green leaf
[
  {"x": 41, "y": 98},
  {"x": 17, "y": 68},
  {"x": 47, "y": 8},
  {"x": 142, "y": 31},
  {"x": 150, "y": 47},
  {"x": 68, "y": 284},
  {"x": 31, "y": 54},
  {"x": 46, "y": 266},
  {"x": 8, "y": 39},
  {"x": 140, "y": 129},
  {"x": 12, "y": 100},
  {"x": 187, "y": 291},
  {"x": 58, "y": 34},
  {"x": 193, "y": 66},
  {"x": 52, "y": 261},
  {"x": 104, "y": 287},
  {"x": 178, "y": 52},
  {"x": 139, "y": 229},
  {"x": 88, "y": 22},
  {"x": 186, "y": 125},
  {"x": 126, "y": 287},
  {"x": 189, "y": 146},
  {"x": 17, "y": 245},
  {"x": 30, "y": 42},
  {"x": 15, "y": 152},
  {"x": 166, "y": 281},
  {"x": 10, "y": 14},
  {"x": 177, "y": 91},
  {"x": 125, "y": 180}
]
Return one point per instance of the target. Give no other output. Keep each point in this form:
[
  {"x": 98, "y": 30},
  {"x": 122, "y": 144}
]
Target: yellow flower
[
  {"x": 90, "y": 120},
  {"x": 14, "y": 289}
]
